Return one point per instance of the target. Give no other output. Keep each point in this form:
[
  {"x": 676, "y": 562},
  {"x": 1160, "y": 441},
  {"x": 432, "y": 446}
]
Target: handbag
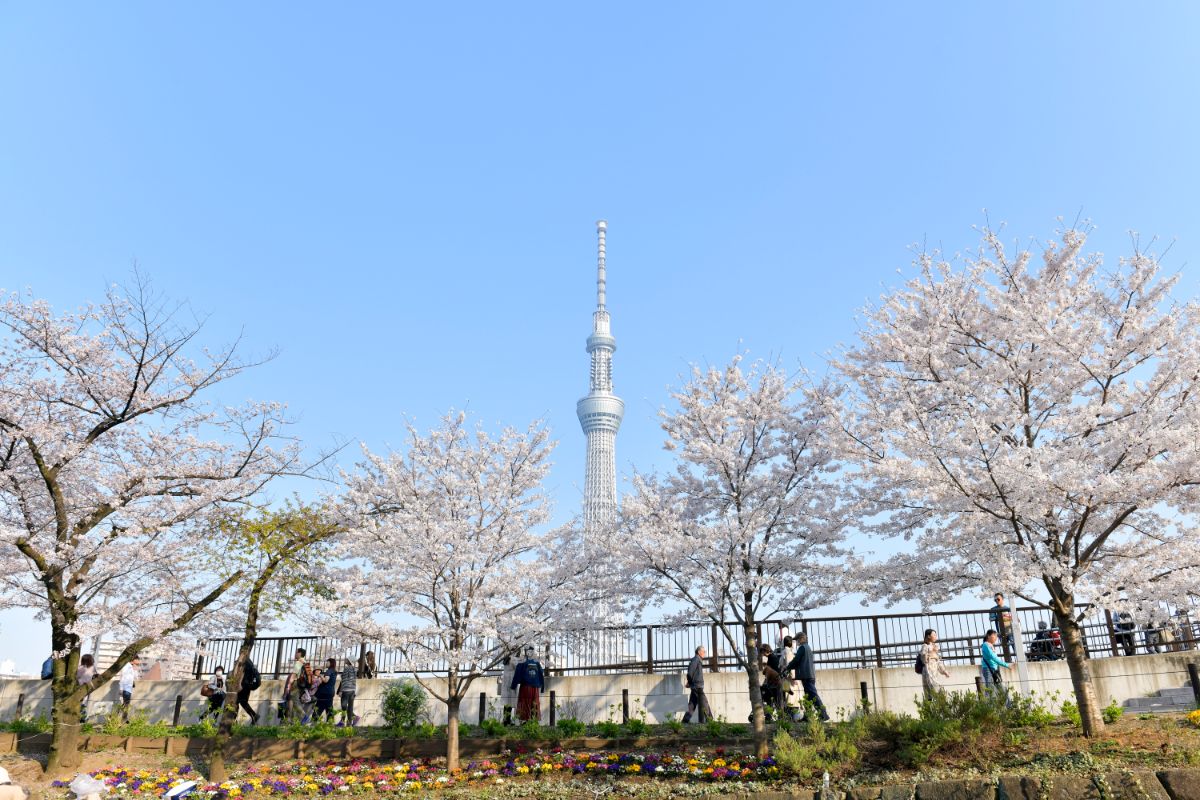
[{"x": 206, "y": 690}]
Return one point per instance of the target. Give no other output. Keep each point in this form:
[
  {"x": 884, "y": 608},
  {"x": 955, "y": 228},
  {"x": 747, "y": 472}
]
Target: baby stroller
[{"x": 1047, "y": 645}]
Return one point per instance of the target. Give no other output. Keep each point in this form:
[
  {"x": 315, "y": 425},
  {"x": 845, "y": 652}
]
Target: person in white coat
[
  {"x": 507, "y": 694},
  {"x": 128, "y": 678},
  {"x": 932, "y": 671}
]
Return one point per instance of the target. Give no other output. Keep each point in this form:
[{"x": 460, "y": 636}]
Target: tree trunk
[
  {"x": 67, "y": 696},
  {"x": 64, "y": 715},
  {"x": 229, "y": 712},
  {"x": 1081, "y": 674},
  {"x": 758, "y": 722},
  {"x": 453, "y": 703}
]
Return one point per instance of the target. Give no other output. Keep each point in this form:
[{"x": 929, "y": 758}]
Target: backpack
[
  {"x": 920, "y": 665},
  {"x": 48, "y": 669},
  {"x": 252, "y": 679}
]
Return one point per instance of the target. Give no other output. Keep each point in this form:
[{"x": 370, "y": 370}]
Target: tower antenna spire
[{"x": 601, "y": 274}]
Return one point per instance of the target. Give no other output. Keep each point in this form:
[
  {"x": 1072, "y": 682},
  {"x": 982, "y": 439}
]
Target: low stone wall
[{"x": 596, "y": 697}]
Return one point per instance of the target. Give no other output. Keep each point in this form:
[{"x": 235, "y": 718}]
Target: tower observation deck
[{"x": 601, "y": 411}]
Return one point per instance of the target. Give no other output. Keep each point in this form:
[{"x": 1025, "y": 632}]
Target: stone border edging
[{"x": 1138, "y": 784}]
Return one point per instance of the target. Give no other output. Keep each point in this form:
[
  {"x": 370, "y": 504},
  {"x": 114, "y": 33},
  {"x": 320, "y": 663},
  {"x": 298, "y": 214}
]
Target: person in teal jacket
[{"x": 990, "y": 663}]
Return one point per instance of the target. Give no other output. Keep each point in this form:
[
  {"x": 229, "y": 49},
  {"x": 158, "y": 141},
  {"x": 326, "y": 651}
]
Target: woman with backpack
[
  {"x": 929, "y": 664},
  {"x": 251, "y": 680}
]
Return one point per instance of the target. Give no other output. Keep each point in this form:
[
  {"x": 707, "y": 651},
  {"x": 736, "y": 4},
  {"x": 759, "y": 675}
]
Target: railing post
[
  {"x": 553, "y": 710},
  {"x": 1194, "y": 676},
  {"x": 482, "y": 707},
  {"x": 714, "y": 662},
  {"x": 20, "y": 705},
  {"x": 649, "y": 650},
  {"x": 199, "y": 665},
  {"x": 1112, "y": 631},
  {"x": 279, "y": 659},
  {"x": 979, "y": 686},
  {"x": 624, "y": 705},
  {"x": 878, "y": 643},
  {"x": 179, "y": 711}
]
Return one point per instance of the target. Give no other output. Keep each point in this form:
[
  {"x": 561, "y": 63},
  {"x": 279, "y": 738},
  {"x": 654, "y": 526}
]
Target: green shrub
[
  {"x": 636, "y": 726},
  {"x": 492, "y": 727},
  {"x": 204, "y": 729},
  {"x": 720, "y": 729},
  {"x": 138, "y": 725},
  {"x": 822, "y": 753},
  {"x": 1112, "y": 712},
  {"x": 609, "y": 729},
  {"x": 37, "y": 724},
  {"x": 571, "y": 727},
  {"x": 532, "y": 729},
  {"x": 675, "y": 726},
  {"x": 403, "y": 705},
  {"x": 1070, "y": 712}
]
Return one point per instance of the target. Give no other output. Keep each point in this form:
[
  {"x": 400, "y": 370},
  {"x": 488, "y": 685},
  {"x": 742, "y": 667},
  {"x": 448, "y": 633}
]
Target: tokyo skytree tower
[{"x": 600, "y": 413}]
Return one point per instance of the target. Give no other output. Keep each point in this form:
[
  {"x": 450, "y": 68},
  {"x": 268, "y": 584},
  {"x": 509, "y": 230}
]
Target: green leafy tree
[{"x": 282, "y": 553}]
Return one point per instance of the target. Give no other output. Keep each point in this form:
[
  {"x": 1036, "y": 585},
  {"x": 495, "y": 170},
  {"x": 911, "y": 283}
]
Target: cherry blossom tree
[
  {"x": 1031, "y": 424},
  {"x": 448, "y": 546},
  {"x": 752, "y": 519},
  {"x": 110, "y": 466}
]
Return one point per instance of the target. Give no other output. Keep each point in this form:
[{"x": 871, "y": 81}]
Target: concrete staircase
[{"x": 1163, "y": 700}]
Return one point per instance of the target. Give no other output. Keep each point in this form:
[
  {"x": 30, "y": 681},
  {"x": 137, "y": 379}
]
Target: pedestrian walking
[
  {"x": 990, "y": 664},
  {"x": 251, "y": 680},
  {"x": 506, "y": 693},
  {"x": 770, "y": 668},
  {"x": 289, "y": 706},
  {"x": 1126, "y": 633},
  {"x": 347, "y": 691},
  {"x": 1000, "y": 615},
  {"x": 803, "y": 668},
  {"x": 325, "y": 689},
  {"x": 929, "y": 664},
  {"x": 127, "y": 680},
  {"x": 85, "y": 673},
  {"x": 306, "y": 693},
  {"x": 697, "y": 700},
  {"x": 787, "y": 686},
  {"x": 214, "y": 690},
  {"x": 529, "y": 680}
]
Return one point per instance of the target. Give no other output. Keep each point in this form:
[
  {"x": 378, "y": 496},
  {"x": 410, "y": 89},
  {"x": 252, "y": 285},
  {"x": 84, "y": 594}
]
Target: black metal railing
[{"x": 876, "y": 640}]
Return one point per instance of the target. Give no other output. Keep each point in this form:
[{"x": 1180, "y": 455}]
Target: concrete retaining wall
[{"x": 597, "y": 697}]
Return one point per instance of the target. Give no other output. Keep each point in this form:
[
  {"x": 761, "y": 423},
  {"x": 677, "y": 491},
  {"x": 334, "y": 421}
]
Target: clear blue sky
[{"x": 402, "y": 196}]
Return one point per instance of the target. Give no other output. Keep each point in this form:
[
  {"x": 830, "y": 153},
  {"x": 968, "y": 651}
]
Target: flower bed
[{"x": 371, "y": 777}]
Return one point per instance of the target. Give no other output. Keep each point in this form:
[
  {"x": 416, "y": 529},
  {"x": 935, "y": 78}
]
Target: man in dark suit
[
  {"x": 697, "y": 701},
  {"x": 802, "y": 668}
]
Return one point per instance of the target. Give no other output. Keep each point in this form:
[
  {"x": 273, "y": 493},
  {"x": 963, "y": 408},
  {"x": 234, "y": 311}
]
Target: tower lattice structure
[{"x": 601, "y": 411}]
